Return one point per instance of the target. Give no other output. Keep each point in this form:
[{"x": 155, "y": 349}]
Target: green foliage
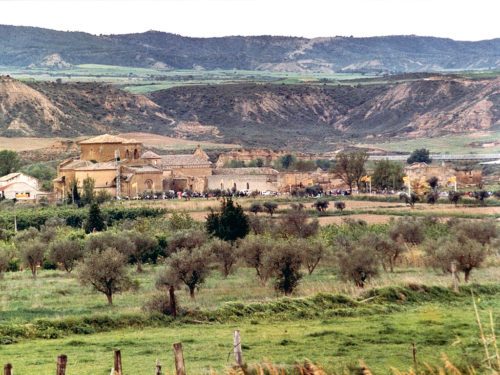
[
  {"x": 103, "y": 196},
  {"x": 270, "y": 207},
  {"x": 235, "y": 164},
  {"x": 230, "y": 223},
  {"x": 324, "y": 164},
  {"x": 88, "y": 193},
  {"x": 44, "y": 172},
  {"x": 95, "y": 220},
  {"x": 142, "y": 246},
  {"x": 284, "y": 262},
  {"x": 351, "y": 229},
  {"x": 187, "y": 239},
  {"x": 420, "y": 155},
  {"x": 66, "y": 252},
  {"x": 388, "y": 175},
  {"x": 224, "y": 255},
  {"x": 285, "y": 162},
  {"x": 350, "y": 167},
  {"x": 105, "y": 272},
  {"x": 180, "y": 220},
  {"x": 255, "y": 208},
  {"x": 357, "y": 261},
  {"x": 253, "y": 250},
  {"x": 321, "y": 205},
  {"x": 407, "y": 229},
  {"x": 9, "y": 162}
]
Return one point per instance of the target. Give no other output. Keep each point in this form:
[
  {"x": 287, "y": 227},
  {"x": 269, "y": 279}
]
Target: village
[{"x": 124, "y": 170}]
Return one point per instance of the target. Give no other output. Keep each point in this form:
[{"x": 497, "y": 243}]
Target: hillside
[
  {"x": 51, "y": 109},
  {"x": 298, "y": 117},
  {"x": 36, "y": 47}
]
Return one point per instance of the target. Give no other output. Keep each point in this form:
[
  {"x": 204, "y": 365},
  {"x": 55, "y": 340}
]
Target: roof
[
  {"x": 9, "y": 176},
  {"x": 110, "y": 165},
  {"x": 107, "y": 138},
  {"x": 184, "y": 160},
  {"x": 15, "y": 184},
  {"x": 142, "y": 169},
  {"x": 245, "y": 171},
  {"x": 76, "y": 164},
  {"x": 150, "y": 155}
]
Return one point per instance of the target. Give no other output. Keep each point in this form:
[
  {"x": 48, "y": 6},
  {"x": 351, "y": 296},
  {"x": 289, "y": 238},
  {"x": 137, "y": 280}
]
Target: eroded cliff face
[
  {"x": 47, "y": 108},
  {"x": 273, "y": 116}
]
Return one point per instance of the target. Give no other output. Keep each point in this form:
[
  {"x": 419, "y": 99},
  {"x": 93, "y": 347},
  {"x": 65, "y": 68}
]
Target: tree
[
  {"x": 465, "y": 252},
  {"x": 9, "y": 162},
  {"x": 386, "y": 248},
  {"x": 321, "y": 206},
  {"x": 420, "y": 155},
  {"x": 32, "y": 254},
  {"x": 66, "y": 252},
  {"x": 454, "y": 197},
  {"x": 313, "y": 252},
  {"x": 295, "y": 223},
  {"x": 142, "y": 243},
  {"x": 410, "y": 199},
  {"x": 224, "y": 254},
  {"x": 105, "y": 271},
  {"x": 104, "y": 240},
  {"x": 255, "y": 208},
  {"x": 95, "y": 220},
  {"x": 74, "y": 196},
  {"x": 481, "y": 196},
  {"x": 189, "y": 266},
  {"x": 284, "y": 263},
  {"x": 432, "y": 197},
  {"x": 388, "y": 175},
  {"x": 482, "y": 231},
  {"x": 357, "y": 261},
  {"x": 88, "y": 194},
  {"x": 433, "y": 182},
  {"x": 286, "y": 162},
  {"x": 340, "y": 206},
  {"x": 253, "y": 250},
  {"x": 167, "y": 279},
  {"x": 270, "y": 207},
  {"x": 187, "y": 239},
  {"x": 407, "y": 229},
  {"x": 230, "y": 223},
  {"x": 350, "y": 167}
]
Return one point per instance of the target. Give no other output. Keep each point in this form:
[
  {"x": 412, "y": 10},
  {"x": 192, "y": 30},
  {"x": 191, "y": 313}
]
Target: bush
[
  {"x": 321, "y": 205},
  {"x": 270, "y": 207},
  {"x": 230, "y": 223},
  {"x": 357, "y": 262},
  {"x": 66, "y": 252},
  {"x": 253, "y": 250},
  {"x": 407, "y": 229},
  {"x": 340, "y": 206}
]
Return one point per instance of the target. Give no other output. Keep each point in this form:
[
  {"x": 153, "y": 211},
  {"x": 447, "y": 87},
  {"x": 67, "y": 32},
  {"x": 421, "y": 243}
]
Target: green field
[{"x": 337, "y": 336}]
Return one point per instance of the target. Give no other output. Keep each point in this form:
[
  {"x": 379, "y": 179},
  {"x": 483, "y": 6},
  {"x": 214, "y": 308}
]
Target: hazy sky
[{"x": 457, "y": 19}]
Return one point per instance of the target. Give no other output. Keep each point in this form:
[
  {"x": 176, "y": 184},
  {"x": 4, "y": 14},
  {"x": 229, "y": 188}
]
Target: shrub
[
  {"x": 32, "y": 254},
  {"x": 294, "y": 223},
  {"x": 95, "y": 220},
  {"x": 180, "y": 221},
  {"x": 142, "y": 245},
  {"x": 321, "y": 205},
  {"x": 407, "y": 229},
  {"x": 339, "y": 205},
  {"x": 454, "y": 197},
  {"x": 357, "y": 262},
  {"x": 255, "y": 208},
  {"x": 270, "y": 207},
  {"x": 386, "y": 249},
  {"x": 187, "y": 239},
  {"x": 313, "y": 252}
]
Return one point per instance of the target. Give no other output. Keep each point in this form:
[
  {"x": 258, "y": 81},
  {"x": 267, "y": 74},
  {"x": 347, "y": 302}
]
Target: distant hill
[
  {"x": 29, "y": 46},
  {"x": 299, "y": 117}
]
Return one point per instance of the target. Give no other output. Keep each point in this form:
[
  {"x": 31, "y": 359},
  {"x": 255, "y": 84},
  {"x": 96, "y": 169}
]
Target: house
[
  {"x": 21, "y": 191},
  {"x": 18, "y": 177},
  {"x": 251, "y": 179}
]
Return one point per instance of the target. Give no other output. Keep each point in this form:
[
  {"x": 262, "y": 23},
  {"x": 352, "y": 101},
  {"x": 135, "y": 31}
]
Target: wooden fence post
[
  {"x": 7, "y": 369},
  {"x": 118, "y": 363},
  {"x": 61, "y": 364},
  {"x": 158, "y": 368},
  {"x": 237, "y": 347},
  {"x": 454, "y": 276},
  {"x": 179, "y": 359}
]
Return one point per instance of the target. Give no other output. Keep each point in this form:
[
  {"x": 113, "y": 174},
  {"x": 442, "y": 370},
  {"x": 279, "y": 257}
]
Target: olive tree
[
  {"x": 253, "y": 250},
  {"x": 385, "y": 247},
  {"x": 105, "y": 271},
  {"x": 189, "y": 266},
  {"x": 66, "y": 252},
  {"x": 187, "y": 239},
  {"x": 357, "y": 261},
  {"x": 295, "y": 223},
  {"x": 270, "y": 207},
  {"x": 283, "y": 263},
  {"x": 224, "y": 255},
  {"x": 142, "y": 243}
]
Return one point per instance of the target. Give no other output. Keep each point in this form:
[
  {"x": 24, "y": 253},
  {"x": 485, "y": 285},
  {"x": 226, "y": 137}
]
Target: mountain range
[{"x": 33, "y": 47}]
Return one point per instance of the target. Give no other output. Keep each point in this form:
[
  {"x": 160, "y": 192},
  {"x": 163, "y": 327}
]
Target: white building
[{"x": 18, "y": 177}]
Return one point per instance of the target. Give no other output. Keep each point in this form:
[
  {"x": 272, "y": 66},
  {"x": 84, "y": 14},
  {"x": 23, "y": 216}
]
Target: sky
[{"x": 456, "y": 19}]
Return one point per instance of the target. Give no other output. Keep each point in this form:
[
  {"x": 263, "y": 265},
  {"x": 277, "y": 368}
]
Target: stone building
[
  {"x": 103, "y": 148},
  {"x": 251, "y": 179},
  {"x": 421, "y": 172}
]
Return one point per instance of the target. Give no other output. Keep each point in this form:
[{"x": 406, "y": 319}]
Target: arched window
[
  {"x": 149, "y": 184},
  {"x": 136, "y": 154},
  {"x": 127, "y": 154}
]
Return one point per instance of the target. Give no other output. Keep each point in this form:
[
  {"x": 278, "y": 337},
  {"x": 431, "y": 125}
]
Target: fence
[{"x": 117, "y": 368}]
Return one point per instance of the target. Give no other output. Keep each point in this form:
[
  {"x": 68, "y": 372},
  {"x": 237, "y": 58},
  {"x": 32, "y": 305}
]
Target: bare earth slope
[
  {"x": 46, "y": 108},
  {"x": 279, "y": 116}
]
